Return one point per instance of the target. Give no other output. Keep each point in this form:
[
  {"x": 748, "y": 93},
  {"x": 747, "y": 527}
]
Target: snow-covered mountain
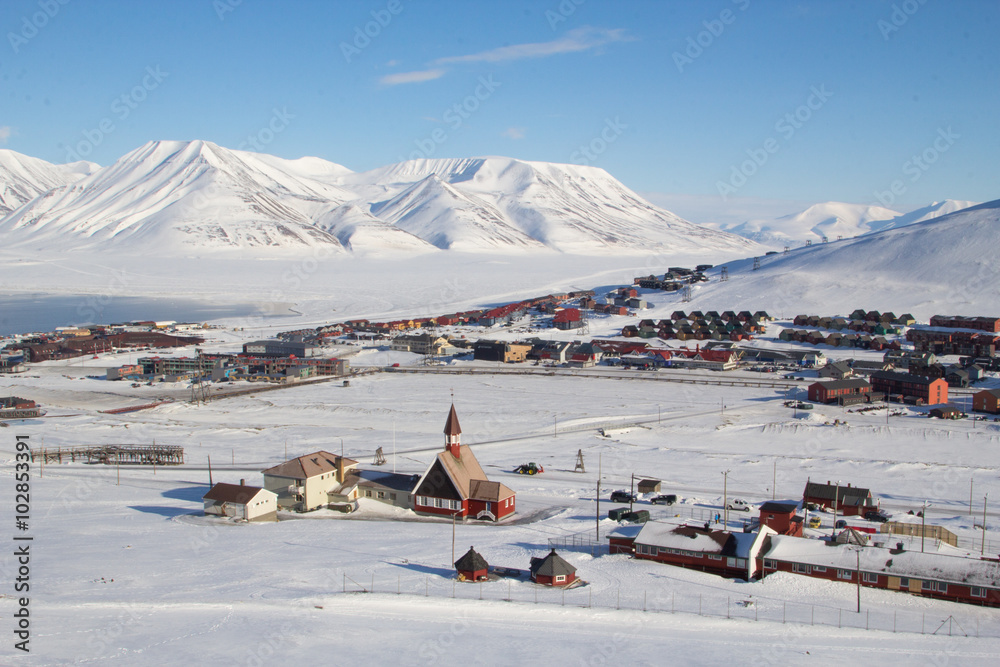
[
  {"x": 831, "y": 220},
  {"x": 171, "y": 195},
  {"x": 179, "y": 196},
  {"x": 929, "y": 212},
  {"x": 944, "y": 264},
  {"x": 22, "y": 178},
  {"x": 835, "y": 220}
]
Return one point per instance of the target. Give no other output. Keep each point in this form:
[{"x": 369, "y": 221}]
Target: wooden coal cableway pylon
[{"x": 113, "y": 454}]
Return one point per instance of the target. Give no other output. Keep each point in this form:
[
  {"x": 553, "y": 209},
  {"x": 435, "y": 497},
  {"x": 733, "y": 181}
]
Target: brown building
[
  {"x": 987, "y": 400},
  {"x": 843, "y": 392}
]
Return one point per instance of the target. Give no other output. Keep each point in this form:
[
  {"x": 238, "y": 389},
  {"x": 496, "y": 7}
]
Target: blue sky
[{"x": 722, "y": 109}]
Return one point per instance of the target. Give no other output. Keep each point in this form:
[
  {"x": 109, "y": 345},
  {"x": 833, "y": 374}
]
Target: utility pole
[
  {"x": 774, "y": 479},
  {"x": 970, "y": 495},
  {"x": 836, "y": 501},
  {"x": 923, "y": 525},
  {"x": 597, "y": 536},
  {"x": 982, "y": 549},
  {"x": 453, "y": 515},
  {"x": 725, "y": 497},
  {"x": 631, "y": 491},
  {"x": 858, "y": 573}
]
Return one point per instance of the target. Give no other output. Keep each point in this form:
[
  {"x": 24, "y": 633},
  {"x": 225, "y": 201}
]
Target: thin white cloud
[
  {"x": 579, "y": 39},
  {"x": 411, "y": 77},
  {"x": 5, "y": 133},
  {"x": 514, "y": 132}
]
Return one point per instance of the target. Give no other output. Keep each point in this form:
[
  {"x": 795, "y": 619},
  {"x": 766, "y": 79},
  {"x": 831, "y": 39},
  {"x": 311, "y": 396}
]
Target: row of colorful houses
[{"x": 836, "y": 339}]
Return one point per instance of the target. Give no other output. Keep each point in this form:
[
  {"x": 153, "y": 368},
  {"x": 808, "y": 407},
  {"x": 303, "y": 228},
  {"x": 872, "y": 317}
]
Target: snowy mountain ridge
[
  {"x": 836, "y": 220},
  {"x": 180, "y": 196}
]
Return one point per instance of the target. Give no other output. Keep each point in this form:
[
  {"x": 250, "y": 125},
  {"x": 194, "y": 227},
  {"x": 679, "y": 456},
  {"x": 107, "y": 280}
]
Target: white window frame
[
  {"x": 844, "y": 574},
  {"x": 770, "y": 564},
  {"x": 869, "y": 578}
]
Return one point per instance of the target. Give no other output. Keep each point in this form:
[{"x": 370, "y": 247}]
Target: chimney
[
  {"x": 340, "y": 469},
  {"x": 243, "y": 482}
]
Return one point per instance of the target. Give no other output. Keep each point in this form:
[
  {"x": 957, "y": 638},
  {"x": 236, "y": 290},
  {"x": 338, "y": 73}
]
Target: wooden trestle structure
[{"x": 113, "y": 454}]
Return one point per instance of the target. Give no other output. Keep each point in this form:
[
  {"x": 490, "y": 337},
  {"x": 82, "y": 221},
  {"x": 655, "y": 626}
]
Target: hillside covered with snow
[
  {"x": 945, "y": 264},
  {"x": 185, "y": 197},
  {"x": 22, "y": 178},
  {"x": 834, "y": 221}
]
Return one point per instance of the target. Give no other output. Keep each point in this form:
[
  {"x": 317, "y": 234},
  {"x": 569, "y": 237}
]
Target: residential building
[
  {"x": 915, "y": 388},
  {"x": 305, "y": 483},
  {"x": 847, "y": 500},
  {"x": 238, "y": 501},
  {"x": 552, "y": 570}
]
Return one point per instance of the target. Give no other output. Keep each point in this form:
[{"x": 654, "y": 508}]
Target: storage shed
[
  {"x": 649, "y": 486},
  {"x": 553, "y": 570},
  {"x": 472, "y": 566}
]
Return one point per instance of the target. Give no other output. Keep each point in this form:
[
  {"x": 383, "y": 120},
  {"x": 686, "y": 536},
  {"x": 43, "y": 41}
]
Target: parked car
[
  {"x": 668, "y": 499},
  {"x": 815, "y": 522},
  {"x": 618, "y": 513},
  {"x": 877, "y": 515},
  {"x": 841, "y": 523},
  {"x": 738, "y": 504},
  {"x": 812, "y": 507},
  {"x": 622, "y": 497}
]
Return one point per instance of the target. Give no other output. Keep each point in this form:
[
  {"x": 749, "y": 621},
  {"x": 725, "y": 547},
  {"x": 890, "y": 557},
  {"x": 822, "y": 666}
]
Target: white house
[
  {"x": 250, "y": 503},
  {"x": 305, "y": 483}
]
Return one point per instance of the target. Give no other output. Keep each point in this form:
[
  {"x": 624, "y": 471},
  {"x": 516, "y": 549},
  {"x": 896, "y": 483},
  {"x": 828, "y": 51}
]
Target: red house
[
  {"x": 455, "y": 484},
  {"x": 848, "y": 500},
  {"x": 780, "y": 517},
  {"x": 910, "y": 387},
  {"x": 553, "y": 570}
]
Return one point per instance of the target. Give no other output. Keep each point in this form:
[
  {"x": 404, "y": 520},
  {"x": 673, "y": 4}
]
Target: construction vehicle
[{"x": 529, "y": 469}]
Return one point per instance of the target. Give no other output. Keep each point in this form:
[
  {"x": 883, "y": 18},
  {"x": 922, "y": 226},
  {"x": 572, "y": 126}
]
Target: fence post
[
  {"x": 373, "y": 582},
  {"x": 427, "y": 586},
  {"x": 345, "y": 582},
  {"x": 564, "y": 597},
  {"x": 644, "y": 600},
  {"x": 784, "y": 611},
  {"x": 727, "y": 607},
  {"x": 618, "y": 604},
  {"x": 397, "y": 583},
  {"x": 923, "y": 617},
  {"x": 868, "y": 613},
  {"x": 673, "y": 596},
  {"x": 894, "y": 621},
  {"x": 840, "y": 616},
  {"x": 812, "y": 616},
  {"x": 699, "y": 604},
  {"x": 453, "y": 584}
]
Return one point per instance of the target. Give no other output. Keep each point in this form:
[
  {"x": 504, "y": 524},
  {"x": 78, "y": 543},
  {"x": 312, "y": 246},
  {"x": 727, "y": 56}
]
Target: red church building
[{"x": 455, "y": 484}]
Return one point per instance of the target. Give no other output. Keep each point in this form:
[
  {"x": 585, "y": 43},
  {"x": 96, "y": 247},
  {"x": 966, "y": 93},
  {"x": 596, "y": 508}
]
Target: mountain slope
[
  {"x": 830, "y": 219},
  {"x": 178, "y": 194},
  {"x": 568, "y": 208},
  {"x": 22, "y": 178},
  {"x": 944, "y": 264},
  {"x": 174, "y": 197},
  {"x": 929, "y": 212}
]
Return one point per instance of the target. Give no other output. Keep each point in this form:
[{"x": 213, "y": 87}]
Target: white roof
[
  {"x": 673, "y": 535},
  {"x": 932, "y": 566}
]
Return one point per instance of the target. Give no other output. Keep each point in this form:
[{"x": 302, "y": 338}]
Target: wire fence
[{"x": 665, "y": 600}]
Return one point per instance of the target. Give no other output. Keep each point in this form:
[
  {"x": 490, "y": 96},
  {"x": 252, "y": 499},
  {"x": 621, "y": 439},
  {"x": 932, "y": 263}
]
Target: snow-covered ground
[{"x": 129, "y": 572}]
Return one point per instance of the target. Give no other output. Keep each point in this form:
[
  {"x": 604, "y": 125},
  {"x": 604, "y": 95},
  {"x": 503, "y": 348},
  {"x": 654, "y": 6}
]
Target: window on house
[
  {"x": 560, "y": 577},
  {"x": 368, "y": 493},
  {"x": 977, "y": 592},
  {"x": 380, "y": 494},
  {"x": 869, "y": 577},
  {"x": 819, "y": 568},
  {"x": 843, "y": 574},
  {"x": 392, "y": 496},
  {"x": 927, "y": 585},
  {"x": 800, "y": 568},
  {"x": 904, "y": 582}
]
